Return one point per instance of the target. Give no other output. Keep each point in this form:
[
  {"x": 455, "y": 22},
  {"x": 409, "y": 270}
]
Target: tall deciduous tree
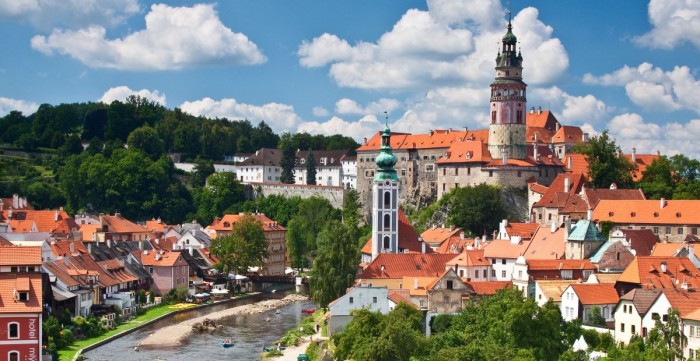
[
  {"x": 335, "y": 265},
  {"x": 476, "y": 209},
  {"x": 657, "y": 179},
  {"x": 203, "y": 168},
  {"x": 146, "y": 140},
  {"x": 244, "y": 248},
  {"x": 222, "y": 192},
  {"x": 310, "y": 168},
  {"x": 605, "y": 166}
]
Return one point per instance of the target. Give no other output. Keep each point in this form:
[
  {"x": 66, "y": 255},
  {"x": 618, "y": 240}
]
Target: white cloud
[
  {"x": 654, "y": 88},
  {"x": 358, "y": 130},
  {"x": 122, "y": 92},
  {"x": 630, "y": 130},
  {"x": 320, "y": 111},
  {"x": 8, "y": 104},
  {"x": 452, "y": 44},
  {"x": 174, "y": 38},
  {"x": 73, "y": 14},
  {"x": 673, "y": 23},
  {"x": 280, "y": 117},
  {"x": 349, "y": 106},
  {"x": 573, "y": 109}
]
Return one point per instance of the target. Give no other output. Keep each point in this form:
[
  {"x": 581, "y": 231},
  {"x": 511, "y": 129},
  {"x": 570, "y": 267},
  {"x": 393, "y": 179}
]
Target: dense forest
[{"x": 97, "y": 157}]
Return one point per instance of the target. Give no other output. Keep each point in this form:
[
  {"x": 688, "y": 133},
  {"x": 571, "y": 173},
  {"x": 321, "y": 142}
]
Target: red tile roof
[
  {"x": 119, "y": 224},
  {"x": 556, "y": 197},
  {"x": 88, "y": 230},
  {"x": 60, "y": 248},
  {"x": 666, "y": 249},
  {"x": 437, "y": 235},
  {"x": 469, "y": 258},
  {"x": 538, "y": 188},
  {"x": 683, "y": 301},
  {"x": 524, "y": 230},
  {"x": 399, "y": 265},
  {"x": 22, "y": 226},
  {"x": 408, "y": 237},
  {"x": 595, "y": 195},
  {"x": 85, "y": 264},
  {"x": 489, "y": 287},
  {"x": 559, "y": 264},
  {"x": 59, "y": 269},
  {"x": 648, "y": 271},
  {"x": 469, "y": 151},
  {"x": 441, "y": 138},
  {"x": 543, "y": 135},
  {"x": 577, "y": 164},
  {"x": 20, "y": 256},
  {"x": 547, "y": 245},
  {"x": 642, "y": 161},
  {"x": 397, "y": 298},
  {"x": 596, "y": 293},
  {"x": 503, "y": 248},
  {"x": 568, "y": 134},
  {"x": 455, "y": 244},
  {"x": 541, "y": 119},
  {"x": 118, "y": 271},
  {"x": 680, "y": 212},
  {"x": 156, "y": 225},
  {"x": 157, "y": 259},
  {"x": 11, "y": 283},
  {"x": 46, "y": 220},
  {"x": 227, "y": 221}
]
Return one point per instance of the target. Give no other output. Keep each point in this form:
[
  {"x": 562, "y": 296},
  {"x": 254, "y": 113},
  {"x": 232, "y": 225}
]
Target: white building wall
[
  {"x": 691, "y": 330},
  {"x": 502, "y": 271},
  {"x": 569, "y": 304}
]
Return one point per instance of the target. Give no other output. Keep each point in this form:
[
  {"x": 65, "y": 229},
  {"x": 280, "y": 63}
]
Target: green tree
[
  {"x": 335, "y": 264},
  {"x": 221, "y": 194},
  {"x": 203, "y": 168},
  {"x": 96, "y": 145},
  {"x": 605, "y": 166},
  {"x": 477, "y": 210},
  {"x": 595, "y": 317},
  {"x": 73, "y": 145},
  {"x": 666, "y": 339},
  {"x": 296, "y": 244},
  {"x": 657, "y": 179},
  {"x": 310, "y": 168},
  {"x": 146, "y": 140},
  {"x": 245, "y": 247},
  {"x": 288, "y": 160}
]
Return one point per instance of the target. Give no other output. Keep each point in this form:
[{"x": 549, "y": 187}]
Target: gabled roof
[
  {"x": 85, "y": 264},
  {"x": 642, "y": 161},
  {"x": 641, "y": 240},
  {"x": 119, "y": 224},
  {"x": 332, "y": 158},
  {"x": 12, "y": 283},
  {"x": 59, "y": 248},
  {"x": 607, "y": 277},
  {"x": 577, "y": 164},
  {"x": 397, "y": 298},
  {"x": 695, "y": 315},
  {"x": 156, "y": 225},
  {"x": 503, "y": 248},
  {"x": 118, "y": 271},
  {"x": 546, "y": 244},
  {"x": 88, "y": 231},
  {"x": 585, "y": 231},
  {"x": 487, "y": 288},
  {"x": 440, "y": 138},
  {"x": 642, "y": 298},
  {"x": 523, "y": 230},
  {"x": 679, "y": 212},
  {"x": 45, "y": 220},
  {"x": 555, "y": 196},
  {"x": 454, "y": 245},
  {"x": 559, "y": 264},
  {"x": 574, "y": 204},
  {"x": 4, "y": 242},
  {"x": 22, "y": 226},
  {"x": 399, "y": 265},
  {"x": 469, "y": 258},
  {"x": 669, "y": 249},
  {"x": 595, "y": 195},
  {"x": 158, "y": 259},
  {"x": 469, "y": 151},
  {"x": 264, "y": 157},
  {"x": 538, "y": 188},
  {"x": 596, "y": 293},
  {"x": 543, "y": 135},
  {"x": 683, "y": 301},
  {"x": 648, "y": 271},
  {"x": 437, "y": 235},
  {"x": 568, "y": 134},
  {"x": 541, "y": 119},
  {"x": 227, "y": 221},
  {"x": 58, "y": 269},
  {"x": 20, "y": 256},
  {"x": 554, "y": 289}
]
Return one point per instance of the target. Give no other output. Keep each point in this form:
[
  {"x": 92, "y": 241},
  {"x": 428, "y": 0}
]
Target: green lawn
[{"x": 151, "y": 313}]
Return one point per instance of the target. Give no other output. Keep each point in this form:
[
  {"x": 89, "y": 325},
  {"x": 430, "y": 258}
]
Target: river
[{"x": 249, "y": 332}]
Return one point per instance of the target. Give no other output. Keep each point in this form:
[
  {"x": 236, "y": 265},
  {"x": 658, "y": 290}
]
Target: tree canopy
[
  {"x": 605, "y": 165},
  {"x": 244, "y": 248},
  {"x": 335, "y": 264}
]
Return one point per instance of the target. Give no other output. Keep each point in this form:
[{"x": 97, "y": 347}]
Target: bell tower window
[
  {"x": 387, "y": 222},
  {"x": 387, "y": 243},
  {"x": 387, "y": 200}
]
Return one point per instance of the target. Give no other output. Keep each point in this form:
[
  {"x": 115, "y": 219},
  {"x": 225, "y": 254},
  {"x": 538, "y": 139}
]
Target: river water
[{"x": 249, "y": 333}]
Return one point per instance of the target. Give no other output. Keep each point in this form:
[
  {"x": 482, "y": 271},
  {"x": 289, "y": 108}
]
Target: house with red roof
[
  {"x": 389, "y": 269},
  {"x": 435, "y": 236},
  {"x": 21, "y": 303},
  {"x": 630, "y": 312},
  {"x": 16, "y": 202},
  {"x": 579, "y": 299},
  {"x": 472, "y": 265},
  {"x": 691, "y": 330},
  {"x": 274, "y": 264},
  {"x": 527, "y": 272},
  {"x": 169, "y": 270},
  {"x": 69, "y": 293},
  {"x": 547, "y": 209},
  {"x": 375, "y": 299},
  {"x": 670, "y": 220},
  {"x": 659, "y": 273},
  {"x": 116, "y": 228}
]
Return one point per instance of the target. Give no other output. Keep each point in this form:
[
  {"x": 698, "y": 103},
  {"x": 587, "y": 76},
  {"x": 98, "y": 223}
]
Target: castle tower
[
  {"x": 508, "y": 104},
  {"x": 385, "y": 201}
]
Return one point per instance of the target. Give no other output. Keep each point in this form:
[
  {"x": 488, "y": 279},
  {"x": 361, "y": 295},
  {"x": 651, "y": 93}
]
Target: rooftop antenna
[{"x": 386, "y": 118}]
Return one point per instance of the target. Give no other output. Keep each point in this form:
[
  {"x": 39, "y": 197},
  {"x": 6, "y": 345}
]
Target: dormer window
[{"x": 23, "y": 296}]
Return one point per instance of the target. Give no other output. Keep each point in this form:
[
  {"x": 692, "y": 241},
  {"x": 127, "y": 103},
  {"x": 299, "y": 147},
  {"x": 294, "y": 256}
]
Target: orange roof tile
[
  {"x": 642, "y": 161},
  {"x": 118, "y": 271},
  {"x": 469, "y": 258},
  {"x": 227, "y": 221},
  {"x": 568, "y": 134},
  {"x": 694, "y": 315},
  {"x": 538, "y": 188},
  {"x": 543, "y": 135},
  {"x": 547, "y": 245},
  {"x": 648, "y": 271},
  {"x": 595, "y": 195},
  {"x": 596, "y": 293},
  {"x": 119, "y": 224},
  {"x": 156, "y": 225},
  {"x": 417, "y": 286},
  {"x": 503, "y": 248},
  {"x": 8, "y": 287},
  {"x": 22, "y": 226},
  {"x": 46, "y": 220},
  {"x": 20, "y": 256},
  {"x": 577, "y": 164},
  {"x": 60, "y": 248},
  {"x": 441, "y": 138},
  {"x": 683, "y": 301},
  {"x": 437, "y": 235},
  {"x": 556, "y": 195},
  {"x": 541, "y": 119},
  {"x": 681, "y": 212},
  {"x": 398, "y": 298},
  {"x": 666, "y": 249},
  {"x": 489, "y": 287},
  {"x": 166, "y": 259},
  {"x": 454, "y": 245},
  {"x": 88, "y": 230},
  {"x": 559, "y": 264},
  {"x": 524, "y": 230},
  {"x": 399, "y": 265},
  {"x": 59, "y": 269},
  {"x": 469, "y": 151},
  {"x": 554, "y": 289},
  {"x": 607, "y": 277}
]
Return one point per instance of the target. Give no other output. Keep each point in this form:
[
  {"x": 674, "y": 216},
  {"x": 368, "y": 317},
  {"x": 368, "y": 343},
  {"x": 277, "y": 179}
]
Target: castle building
[{"x": 519, "y": 146}]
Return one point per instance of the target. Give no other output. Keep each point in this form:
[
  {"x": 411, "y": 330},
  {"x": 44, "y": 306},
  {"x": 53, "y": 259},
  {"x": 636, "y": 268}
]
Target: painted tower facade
[
  {"x": 385, "y": 200},
  {"x": 507, "y": 131}
]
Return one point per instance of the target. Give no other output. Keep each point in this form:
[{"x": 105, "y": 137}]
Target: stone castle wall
[
  {"x": 503, "y": 134},
  {"x": 335, "y": 195}
]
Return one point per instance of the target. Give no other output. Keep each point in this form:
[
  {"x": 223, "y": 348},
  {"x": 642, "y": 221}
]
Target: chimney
[
  {"x": 415, "y": 283},
  {"x": 141, "y": 244},
  {"x": 634, "y": 155},
  {"x": 658, "y": 153},
  {"x": 662, "y": 203},
  {"x": 190, "y": 250},
  {"x": 556, "y": 126},
  {"x": 452, "y": 227},
  {"x": 158, "y": 241},
  {"x": 157, "y": 257},
  {"x": 535, "y": 149},
  {"x": 434, "y": 225},
  {"x": 477, "y": 243},
  {"x": 461, "y": 235},
  {"x": 539, "y": 109},
  {"x": 364, "y": 141},
  {"x": 585, "y": 137},
  {"x": 619, "y": 152},
  {"x": 9, "y": 213},
  {"x": 71, "y": 246},
  {"x": 554, "y": 226},
  {"x": 55, "y": 216},
  {"x": 664, "y": 267},
  {"x": 109, "y": 243},
  {"x": 89, "y": 248},
  {"x": 589, "y": 214},
  {"x": 430, "y": 132},
  {"x": 532, "y": 110},
  {"x": 15, "y": 201},
  {"x": 567, "y": 185},
  {"x": 422, "y": 245},
  {"x": 571, "y": 162},
  {"x": 567, "y": 226}
]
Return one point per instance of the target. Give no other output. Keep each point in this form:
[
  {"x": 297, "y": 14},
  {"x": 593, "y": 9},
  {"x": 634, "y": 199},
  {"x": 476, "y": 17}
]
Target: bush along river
[{"x": 249, "y": 333}]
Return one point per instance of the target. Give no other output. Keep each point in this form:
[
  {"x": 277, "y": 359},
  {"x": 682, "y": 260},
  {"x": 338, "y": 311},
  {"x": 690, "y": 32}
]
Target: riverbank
[{"x": 173, "y": 335}]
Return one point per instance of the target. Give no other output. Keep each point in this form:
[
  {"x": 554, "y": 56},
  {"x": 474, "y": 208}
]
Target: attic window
[
  {"x": 678, "y": 214},
  {"x": 22, "y": 296},
  {"x": 226, "y": 224},
  {"x": 656, "y": 214},
  {"x": 633, "y": 214},
  {"x": 611, "y": 214},
  {"x": 302, "y": 160}
]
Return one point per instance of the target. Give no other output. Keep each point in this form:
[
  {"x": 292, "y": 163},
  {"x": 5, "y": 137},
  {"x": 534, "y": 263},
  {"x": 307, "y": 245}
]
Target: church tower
[
  {"x": 508, "y": 104},
  {"x": 385, "y": 201}
]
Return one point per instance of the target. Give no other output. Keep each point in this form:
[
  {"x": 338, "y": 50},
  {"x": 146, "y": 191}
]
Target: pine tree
[
  {"x": 288, "y": 160},
  {"x": 310, "y": 168}
]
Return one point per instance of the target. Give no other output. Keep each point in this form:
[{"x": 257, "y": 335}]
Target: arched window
[
  {"x": 13, "y": 356},
  {"x": 387, "y": 243},
  {"x": 13, "y": 330},
  {"x": 387, "y": 199},
  {"x": 387, "y": 222}
]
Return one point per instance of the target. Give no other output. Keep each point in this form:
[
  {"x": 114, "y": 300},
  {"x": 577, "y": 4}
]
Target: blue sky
[{"x": 335, "y": 66}]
